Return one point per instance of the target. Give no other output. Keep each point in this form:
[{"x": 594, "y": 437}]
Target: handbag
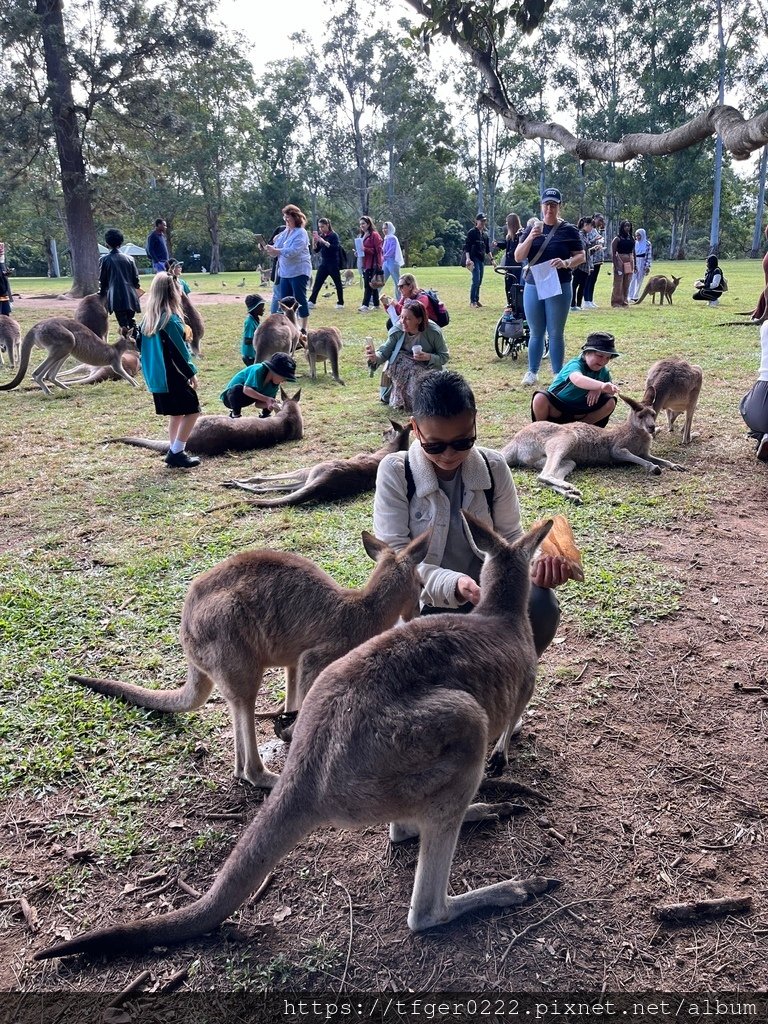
[
  {"x": 626, "y": 266},
  {"x": 377, "y": 278}
]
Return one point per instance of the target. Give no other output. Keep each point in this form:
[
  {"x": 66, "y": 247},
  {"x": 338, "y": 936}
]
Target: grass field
[{"x": 99, "y": 543}]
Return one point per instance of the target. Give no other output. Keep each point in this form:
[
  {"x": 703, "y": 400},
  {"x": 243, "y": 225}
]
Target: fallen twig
[
  {"x": 137, "y": 982},
  {"x": 264, "y": 885},
  {"x": 703, "y": 908},
  {"x": 562, "y": 909},
  {"x": 223, "y": 816},
  {"x": 188, "y": 889},
  {"x": 175, "y": 981}
]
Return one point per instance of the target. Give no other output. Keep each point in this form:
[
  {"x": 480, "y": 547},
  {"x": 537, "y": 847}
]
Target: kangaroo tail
[
  {"x": 140, "y": 442},
  {"x": 280, "y": 824},
  {"x": 26, "y": 348},
  {"x": 189, "y": 697}
]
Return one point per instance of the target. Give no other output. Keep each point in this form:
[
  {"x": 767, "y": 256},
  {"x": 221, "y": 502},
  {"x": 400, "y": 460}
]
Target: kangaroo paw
[
  {"x": 284, "y": 725},
  {"x": 261, "y": 780},
  {"x": 497, "y": 764}
]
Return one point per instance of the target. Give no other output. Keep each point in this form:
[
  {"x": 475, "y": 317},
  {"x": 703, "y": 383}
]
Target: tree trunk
[
  {"x": 212, "y": 217},
  {"x": 81, "y": 230},
  {"x": 480, "y": 194},
  {"x": 714, "y": 231},
  {"x": 755, "y": 251}
]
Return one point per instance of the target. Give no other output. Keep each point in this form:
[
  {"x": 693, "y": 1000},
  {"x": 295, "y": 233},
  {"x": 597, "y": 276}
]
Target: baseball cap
[
  {"x": 481, "y": 216},
  {"x": 551, "y": 195}
]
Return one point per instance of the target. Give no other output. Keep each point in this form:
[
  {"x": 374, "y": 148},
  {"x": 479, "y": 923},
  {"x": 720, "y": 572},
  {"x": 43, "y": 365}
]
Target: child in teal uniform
[
  {"x": 255, "y": 305},
  {"x": 582, "y": 391},
  {"x": 258, "y": 384},
  {"x": 174, "y": 269}
]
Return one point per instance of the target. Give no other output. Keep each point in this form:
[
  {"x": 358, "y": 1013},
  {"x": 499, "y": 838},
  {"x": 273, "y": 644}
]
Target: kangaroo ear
[
  {"x": 483, "y": 540},
  {"x": 417, "y": 549},
  {"x": 397, "y": 426},
  {"x": 374, "y": 547},
  {"x": 296, "y": 397},
  {"x": 535, "y": 536},
  {"x": 631, "y": 402},
  {"x": 651, "y": 390}
]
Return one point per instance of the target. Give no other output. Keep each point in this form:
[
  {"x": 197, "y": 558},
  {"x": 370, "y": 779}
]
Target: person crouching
[
  {"x": 583, "y": 391},
  {"x": 258, "y": 385}
]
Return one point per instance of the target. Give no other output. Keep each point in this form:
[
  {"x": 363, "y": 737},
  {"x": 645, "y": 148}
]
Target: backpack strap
[{"x": 410, "y": 483}]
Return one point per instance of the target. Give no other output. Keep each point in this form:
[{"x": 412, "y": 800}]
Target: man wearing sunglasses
[{"x": 443, "y": 473}]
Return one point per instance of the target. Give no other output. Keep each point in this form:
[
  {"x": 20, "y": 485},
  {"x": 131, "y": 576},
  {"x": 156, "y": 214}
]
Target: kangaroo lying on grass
[
  {"x": 10, "y": 336},
  {"x": 62, "y": 338},
  {"x": 674, "y": 385},
  {"x": 661, "y": 286},
  {"x": 396, "y": 731},
  {"x": 270, "y": 608},
  {"x": 83, "y": 373},
  {"x": 328, "y": 481},
  {"x": 324, "y": 344},
  {"x": 215, "y": 435},
  {"x": 558, "y": 448},
  {"x": 278, "y": 332}
]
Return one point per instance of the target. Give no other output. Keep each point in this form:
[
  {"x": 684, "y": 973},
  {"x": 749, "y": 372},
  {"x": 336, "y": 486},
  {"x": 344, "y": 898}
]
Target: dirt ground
[{"x": 652, "y": 773}]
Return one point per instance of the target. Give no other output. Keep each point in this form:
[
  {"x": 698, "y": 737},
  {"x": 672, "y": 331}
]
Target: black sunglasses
[{"x": 438, "y": 447}]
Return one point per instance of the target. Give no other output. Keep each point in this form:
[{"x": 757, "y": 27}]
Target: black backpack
[{"x": 440, "y": 314}]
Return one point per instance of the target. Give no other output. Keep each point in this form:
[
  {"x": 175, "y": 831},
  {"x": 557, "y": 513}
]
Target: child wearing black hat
[
  {"x": 255, "y": 305},
  {"x": 583, "y": 390},
  {"x": 258, "y": 384}
]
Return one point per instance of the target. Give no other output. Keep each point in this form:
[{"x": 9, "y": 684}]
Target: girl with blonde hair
[{"x": 167, "y": 366}]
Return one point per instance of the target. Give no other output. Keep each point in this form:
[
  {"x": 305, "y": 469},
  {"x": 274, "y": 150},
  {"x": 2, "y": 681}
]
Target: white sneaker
[
  {"x": 311, "y": 305},
  {"x": 715, "y": 302},
  {"x": 339, "y": 305},
  {"x": 362, "y": 309},
  {"x": 530, "y": 379},
  {"x": 575, "y": 309},
  {"x": 592, "y": 305},
  {"x": 587, "y": 305}
]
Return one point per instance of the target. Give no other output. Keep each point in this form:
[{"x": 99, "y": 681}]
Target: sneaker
[
  {"x": 715, "y": 302},
  {"x": 180, "y": 460},
  {"x": 339, "y": 305},
  {"x": 762, "y": 449},
  {"x": 530, "y": 379},
  {"x": 362, "y": 309},
  {"x": 479, "y": 304},
  {"x": 235, "y": 415},
  {"x": 575, "y": 309},
  {"x": 311, "y": 304}
]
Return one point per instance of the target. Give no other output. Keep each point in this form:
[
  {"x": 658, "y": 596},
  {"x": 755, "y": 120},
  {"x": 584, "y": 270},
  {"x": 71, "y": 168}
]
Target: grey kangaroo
[
  {"x": 396, "y": 731},
  {"x": 278, "y": 332},
  {"x": 92, "y": 312},
  {"x": 10, "y": 337},
  {"x": 215, "y": 435},
  {"x": 329, "y": 480},
  {"x": 661, "y": 286},
  {"x": 674, "y": 385},
  {"x": 62, "y": 338},
  {"x": 324, "y": 344},
  {"x": 273, "y": 608},
  {"x": 193, "y": 318},
  {"x": 556, "y": 449},
  {"x": 83, "y": 373}
]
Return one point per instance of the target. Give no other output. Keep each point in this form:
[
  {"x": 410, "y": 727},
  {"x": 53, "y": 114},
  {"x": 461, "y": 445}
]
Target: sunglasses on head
[{"x": 463, "y": 444}]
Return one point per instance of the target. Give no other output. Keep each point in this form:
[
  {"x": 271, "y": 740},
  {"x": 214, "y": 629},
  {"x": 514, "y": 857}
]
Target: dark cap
[
  {"x": 603, "y": 342},
  {"x": 253, "y": 302},
  {"x": 551, "y": 195},
  {"x": 481, "y": 216},
  {"x": 282, "y": 364},
  {"x": 170, "y": 264}
]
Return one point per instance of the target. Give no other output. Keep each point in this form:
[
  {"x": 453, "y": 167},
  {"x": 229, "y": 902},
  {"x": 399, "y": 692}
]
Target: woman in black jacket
[{"x": 325, "y": 241}]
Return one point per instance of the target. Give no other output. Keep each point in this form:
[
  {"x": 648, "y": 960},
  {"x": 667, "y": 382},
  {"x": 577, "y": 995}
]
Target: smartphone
[{"x": 260, "y": 240}]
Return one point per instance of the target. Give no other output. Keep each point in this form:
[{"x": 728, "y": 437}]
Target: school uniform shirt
[
  {"x": 153, "y": 362},
  {"x": 253, "y": 377},
  {"x": 249, "y": 333},
  {"x": 398, "y": 521},
  {"x": 566, "y": 390},
  {"x": 565, "y": 242}
]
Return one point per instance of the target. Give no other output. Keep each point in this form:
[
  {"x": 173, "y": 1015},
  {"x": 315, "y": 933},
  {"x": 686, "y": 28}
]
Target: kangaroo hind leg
[
  {"x": 555, "y": 471},
  {"x": 240, "y": 694}
]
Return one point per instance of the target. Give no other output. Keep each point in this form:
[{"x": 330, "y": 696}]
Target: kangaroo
[
  {"x": 215, "y": 435},
  {"x": 324, "y": 344},
  {"x": 63, "y": 338},
  {"x": 83, "y": 373},
  {"x": 265, "y": 608},
  {"x": 558, "y": 448},
  {"x": 10, "y": 335},
  {"x": 191, "y": 316},
  {"x": 348, "y": 277},
  {"x": 674, "y": 385},
  {"x": 92, "y": 312},
  {"x": 395, "y": 731},
  {"x": 661, "y": 286},
  {"x": 278, "y": 332},
  {"x": 329, "y": 480}
]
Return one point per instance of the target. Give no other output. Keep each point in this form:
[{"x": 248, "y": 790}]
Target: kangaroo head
[
  {"x": 641, "y": 416},
  {"x": 289, "y": 305},
  {"x": 127, "y": 342},
  {"x": 505, "y": 576},
  {"x": 675, "y": 282},
  {"x": 399, "y": 432},
  {"x": 285, "y": 397},
  {"x": 404, "y": 567}
]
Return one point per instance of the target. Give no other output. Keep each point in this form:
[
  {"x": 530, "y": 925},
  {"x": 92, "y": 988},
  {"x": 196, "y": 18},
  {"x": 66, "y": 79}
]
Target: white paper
[
  {"x": 392, "y": 313},
  {"x": 546, "y": 280}
]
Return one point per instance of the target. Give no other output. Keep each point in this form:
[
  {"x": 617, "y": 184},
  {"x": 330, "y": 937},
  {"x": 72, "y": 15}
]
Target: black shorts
[
  {"x": 570, "y": 411},
  {"x": 180, "y": 399}
]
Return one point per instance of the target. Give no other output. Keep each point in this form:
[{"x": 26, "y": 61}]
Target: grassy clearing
[{"x": 99, "y": 543}]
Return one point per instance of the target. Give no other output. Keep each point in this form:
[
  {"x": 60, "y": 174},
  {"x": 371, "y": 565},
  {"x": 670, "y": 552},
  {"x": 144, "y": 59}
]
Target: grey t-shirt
[{"x": 458, "y": 555}]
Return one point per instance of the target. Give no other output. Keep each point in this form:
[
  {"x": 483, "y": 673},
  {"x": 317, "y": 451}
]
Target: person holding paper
[{"x": 553, "y": 249}]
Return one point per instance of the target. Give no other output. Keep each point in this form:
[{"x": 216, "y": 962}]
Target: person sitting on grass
[
  {"x": 255, "y": 305},
  {"x": 582, "y": 391},
  {"x": 258, "y": 384},
  {"x": 712, "y": 285}
]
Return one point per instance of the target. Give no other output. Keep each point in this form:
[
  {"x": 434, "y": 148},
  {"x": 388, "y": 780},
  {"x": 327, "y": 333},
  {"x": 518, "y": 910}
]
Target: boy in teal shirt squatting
[
  {"x": 255, "y": 306},
  {"x": 582, "y": 391},
  {"x": 258, "y": 384}
]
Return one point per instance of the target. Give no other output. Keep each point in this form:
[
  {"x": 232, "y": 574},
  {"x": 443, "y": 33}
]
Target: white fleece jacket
[{"x": 397, "y": 522}]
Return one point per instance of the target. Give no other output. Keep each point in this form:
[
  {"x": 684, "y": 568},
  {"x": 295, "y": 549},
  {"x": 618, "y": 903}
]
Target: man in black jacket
[
  {"x": 476, "y": 247},
  {"x": 119, "y": 282}
]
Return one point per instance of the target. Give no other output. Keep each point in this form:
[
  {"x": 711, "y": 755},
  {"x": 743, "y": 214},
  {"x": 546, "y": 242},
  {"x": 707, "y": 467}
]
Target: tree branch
[{"x": 741, "y": 136}]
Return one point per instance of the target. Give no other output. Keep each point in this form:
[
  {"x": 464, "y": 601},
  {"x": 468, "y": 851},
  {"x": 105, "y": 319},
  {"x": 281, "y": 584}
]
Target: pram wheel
[
  {"x": 511, "y": 336},
  {"x": 502, "y": 345}
]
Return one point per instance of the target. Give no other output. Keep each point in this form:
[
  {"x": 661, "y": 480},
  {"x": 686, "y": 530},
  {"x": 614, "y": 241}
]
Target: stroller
[{"x": 512, "y": 333}]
